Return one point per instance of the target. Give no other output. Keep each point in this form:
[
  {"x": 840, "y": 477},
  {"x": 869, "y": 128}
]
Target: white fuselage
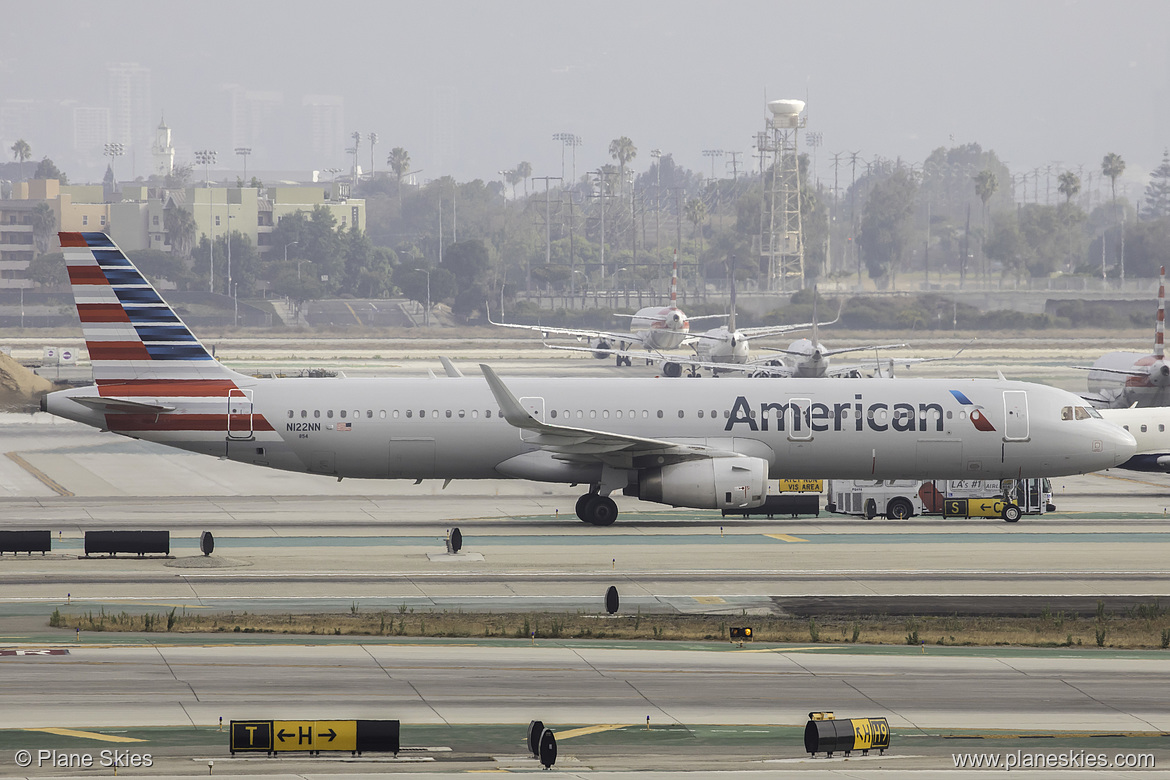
[
  {"x": 722, "y": 345},
  {"x": 810, "y": 362},
  {"x": 452, "y": 428},
  {"x": 660, "y": 328},
  {"x": 1150, "y": 389},
  {"x": 1150, "y": 427}
]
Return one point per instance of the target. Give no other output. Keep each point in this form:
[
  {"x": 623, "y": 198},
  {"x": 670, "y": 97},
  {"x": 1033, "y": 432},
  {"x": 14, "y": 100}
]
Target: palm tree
[
  {"x": 1070, "y": 185},
  {"x": 180, "y": 226},
  {"x": 986, "y": 185},
  {"x": 696, "y": 214},
  {"x": 513, "y": 178},
  {"x": 399, "y": 162},
  {"x": 44, "y": 224},
  {"x": 1113, "y": 166},
  {"x": 21, "y": 152},
  {"x": 524, "y": 170},
  {"x": 623, "y": 150}
]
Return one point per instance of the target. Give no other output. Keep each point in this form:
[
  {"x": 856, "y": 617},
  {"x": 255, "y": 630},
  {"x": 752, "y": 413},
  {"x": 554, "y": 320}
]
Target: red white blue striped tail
[{"x": 137, "y": 343}]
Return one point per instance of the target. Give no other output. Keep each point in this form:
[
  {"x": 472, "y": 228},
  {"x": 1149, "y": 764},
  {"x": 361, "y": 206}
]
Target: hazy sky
[{"x": 1037, "y": 81}]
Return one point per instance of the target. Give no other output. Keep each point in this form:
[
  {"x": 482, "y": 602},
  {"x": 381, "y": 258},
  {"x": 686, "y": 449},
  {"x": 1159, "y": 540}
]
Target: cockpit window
[
  {"x": 1094, "y": 413},
  {"x": 1066, "y": 413},
  {"x": 1082, "y": 413}
]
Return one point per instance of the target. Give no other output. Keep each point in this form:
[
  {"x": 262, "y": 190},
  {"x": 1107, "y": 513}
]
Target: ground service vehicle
[{"x": 898, "y": 499}]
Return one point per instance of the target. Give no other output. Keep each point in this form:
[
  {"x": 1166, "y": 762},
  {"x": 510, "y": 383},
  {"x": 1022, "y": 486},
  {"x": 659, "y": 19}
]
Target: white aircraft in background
[
  {"x": 655, "y": 328},
  {"x": 705, "y": 445},
  {"x": 1124, "y": 379},
  {"x": 1149, "y": 426}
]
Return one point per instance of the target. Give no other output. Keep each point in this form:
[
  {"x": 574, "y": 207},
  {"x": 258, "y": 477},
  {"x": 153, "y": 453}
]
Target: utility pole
[
  {"x": 734, "y": 166},
  {"x": 853, "y": 215}
]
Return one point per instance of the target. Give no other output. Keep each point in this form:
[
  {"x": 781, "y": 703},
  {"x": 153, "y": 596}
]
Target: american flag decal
[{"x": 344, "y": 426}]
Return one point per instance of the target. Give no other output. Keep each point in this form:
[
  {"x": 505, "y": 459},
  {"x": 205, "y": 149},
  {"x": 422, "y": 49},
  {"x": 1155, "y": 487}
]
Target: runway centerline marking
[
  {"x": 786, "y": 537},
  {"x": 86, "y": 735}
]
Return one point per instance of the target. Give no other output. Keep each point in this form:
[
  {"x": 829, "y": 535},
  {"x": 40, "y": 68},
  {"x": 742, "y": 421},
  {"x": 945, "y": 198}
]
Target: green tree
[
  {"x": 623, "y": 150},
  {"x": 178, "y": 178},
  {"x": 180, "y": 225},
  {"x": 512, "y": 177},
  {"x": 48, "y": 270},
  {"x": 524, "y": 171},
  {"x": 986, "y": 185},
  {"x": 44, "y": 225},
  {"x": 22, "y": 153},
  {"x": 1113, "y": 166},
  {"x": 47, "y": 169},
  {"x": 1070, "y": 186},
  {"x": 696, "y": 213},
  {"x": 399, "y": 162},
  {"x": 1158, "y": 190},
  {"x": 887, "y": 224}
]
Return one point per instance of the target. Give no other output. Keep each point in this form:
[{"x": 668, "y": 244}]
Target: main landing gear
[{"x": 596, "y": 509}]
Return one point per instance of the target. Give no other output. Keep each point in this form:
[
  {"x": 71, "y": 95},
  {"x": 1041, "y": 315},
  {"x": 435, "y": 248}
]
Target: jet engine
[
  {"x": 598, "y": 346},
  {"x": 714, "y": 483}
]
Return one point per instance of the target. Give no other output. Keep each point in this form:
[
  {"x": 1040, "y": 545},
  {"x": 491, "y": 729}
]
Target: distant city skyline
[{"x": 472, "y": 88}]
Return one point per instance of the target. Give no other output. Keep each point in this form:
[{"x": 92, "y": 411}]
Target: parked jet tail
[{"x": 137, "y": 344}]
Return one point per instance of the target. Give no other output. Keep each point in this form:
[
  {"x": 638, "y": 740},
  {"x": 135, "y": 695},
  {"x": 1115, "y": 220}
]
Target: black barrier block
[
  {"x": 206, "y": 543},
  {"x": 250, "y": 736},
  {"x": 140, "y": 542},
  {"x": 378, "y": 736},
  {"x": 783, "y": 504},
  {"x": 845, "y": 736},
  {"x": 611, "y": 600},
  {"x": 535, "y": 730},
  {"x": 548, "y": 749},
  {"x": 25, "y": 541}
]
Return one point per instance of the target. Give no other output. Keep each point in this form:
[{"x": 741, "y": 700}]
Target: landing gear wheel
[
  {"x": 1011, "y": 513},
  {"x": 583, "y": 506},
  {"x": 899, "y": 509},
  {"x": 602, "y": 510}
]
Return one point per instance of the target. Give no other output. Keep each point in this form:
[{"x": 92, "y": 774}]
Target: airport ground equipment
[
  {"x": 25, "y": 542},
  {"x": 783, "y": 504},
  {"x": 535, "y": 731},
  {"x": 314, "y": 736},
  {"x": 899, "y": 499},
  {"x": 825, "y": 734},
  {"x": 611, "y": 599},
  {"x": 139, "y": 542}
]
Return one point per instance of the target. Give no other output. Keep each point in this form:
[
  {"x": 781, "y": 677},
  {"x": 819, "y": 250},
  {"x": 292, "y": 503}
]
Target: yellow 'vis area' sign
[
  {"x": 314, "y": 735},
  {"x": 802, "y": 486}
]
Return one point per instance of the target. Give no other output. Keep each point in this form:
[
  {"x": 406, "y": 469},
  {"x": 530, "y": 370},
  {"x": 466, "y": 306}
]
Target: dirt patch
[{"x": 20, "y": 388}]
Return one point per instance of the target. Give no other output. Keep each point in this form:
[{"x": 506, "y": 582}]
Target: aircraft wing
[
  {"x": 577, "y": 333},
  {"x": 763, "y": 331},
  {"x": 1122, "y": 371},
  {"x": 581, "y": 444},
  {"x": 751, "y": 367}
]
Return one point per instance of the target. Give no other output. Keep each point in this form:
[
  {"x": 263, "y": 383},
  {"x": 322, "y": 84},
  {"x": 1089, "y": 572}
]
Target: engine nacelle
[
  {"x": 600, "y": 348},
  {"x": 714, "y": 483}
]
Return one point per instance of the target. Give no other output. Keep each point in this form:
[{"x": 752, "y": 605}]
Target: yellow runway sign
[{"x": 314, "y": 735}]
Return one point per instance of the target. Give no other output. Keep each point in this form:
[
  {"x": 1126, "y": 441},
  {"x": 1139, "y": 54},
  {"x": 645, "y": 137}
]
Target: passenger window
[
  {"x": 475, "y": 414},
  {"x": 618, "y": 413},
  {"x": 304, "y": 414},
  {"x": 1066, "y": 413},
  {"x": 681, "y": 414},
  {"x": 633, "y": 414},
  {"x": 317, "y": 413},
  {"x": 605, "y": 414},
  {"x": 592, "y": 414},
  {"x": 714, "y": 414},
  {"x": 950, "y": 414},
  {"x": 645, "y": 414},
  {"x": 659, "y": 414},
  {"x": 553, "y": 414},
  {"x": 422, "y": 413},
  {"x": 342, "y": 413},
  {"x": 487, "y": 413},
  {"x": 290, "y": 414},
  {"x": 395, "y": 414},
  {"x": 1143, "y": 429},
  {"x": 382, "y": 414},
  {"x": 409, "y": 412},
  {"x": 356, "y": 413},
  {"x": 462, "y": 414},
  {"x": 727, "y": 413},
  {"x": 700, "y": 414},
  {"x": 1161, "y": 428},
  {"x": 448, "y": 414},
  {"x": 580, "y": 414},
  {"x": 370, "y": 414},
  {"x": 567, "y": 414}
]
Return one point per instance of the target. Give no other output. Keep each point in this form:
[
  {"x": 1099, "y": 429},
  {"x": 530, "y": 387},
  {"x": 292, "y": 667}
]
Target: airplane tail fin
[
  {"x": 136, "y": 341},
  {"x": 1160, "y": 322}
]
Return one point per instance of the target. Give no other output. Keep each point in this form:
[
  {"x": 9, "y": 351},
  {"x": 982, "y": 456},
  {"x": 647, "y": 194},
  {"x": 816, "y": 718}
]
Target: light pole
[
  {"x": 114, "y": 151},
  {"x": 568, "y": 139},
  {"x": 244, "y": 151},
  {"x": 427, "y": 313},
  {"x": 286, "y": 246},
  {"x": 206, "y": 158},
  {"x": 229, "y": 253},
  {"x": 713, "y": 153}
]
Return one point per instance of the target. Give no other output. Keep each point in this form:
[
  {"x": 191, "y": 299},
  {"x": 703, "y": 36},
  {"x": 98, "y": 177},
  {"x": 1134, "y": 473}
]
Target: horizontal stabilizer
[{"x": 120, "y": 405}]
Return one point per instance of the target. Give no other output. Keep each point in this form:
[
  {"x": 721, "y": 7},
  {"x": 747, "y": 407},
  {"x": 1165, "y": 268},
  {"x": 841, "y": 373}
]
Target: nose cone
[{"x": 1117, "y": 444}]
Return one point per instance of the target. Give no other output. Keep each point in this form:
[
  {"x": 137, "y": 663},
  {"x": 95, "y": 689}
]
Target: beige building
[{"x": 138, "y": 219}]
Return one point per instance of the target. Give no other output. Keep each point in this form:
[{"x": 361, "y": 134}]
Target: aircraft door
[
  {"x": 1015, "y": 412},
  {"x": 239, "y": 415},
  {"x": 534, "y": 405},
  {"x": 798, "y": 419}
]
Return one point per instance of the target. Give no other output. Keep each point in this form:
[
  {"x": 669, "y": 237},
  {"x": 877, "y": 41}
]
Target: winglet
[{"x": 513, "y": 411}]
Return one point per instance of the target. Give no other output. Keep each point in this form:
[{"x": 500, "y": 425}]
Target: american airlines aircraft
[
  {"x": 1123, "y": 379},
  {"x": 706, "y": 445},
  {"x": 655, "y": 328}
]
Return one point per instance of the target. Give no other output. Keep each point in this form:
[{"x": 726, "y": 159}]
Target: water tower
[{"x": 781, "y": 241}]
